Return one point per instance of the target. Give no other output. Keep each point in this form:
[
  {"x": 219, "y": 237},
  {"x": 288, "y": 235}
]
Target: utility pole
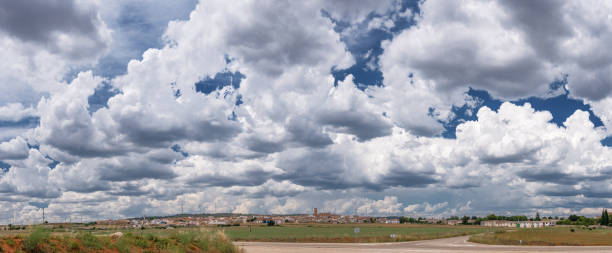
[{"x": 43, "y": 215}]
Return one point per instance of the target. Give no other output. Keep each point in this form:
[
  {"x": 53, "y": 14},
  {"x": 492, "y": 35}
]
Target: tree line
[{"x": 573, "y": 219}]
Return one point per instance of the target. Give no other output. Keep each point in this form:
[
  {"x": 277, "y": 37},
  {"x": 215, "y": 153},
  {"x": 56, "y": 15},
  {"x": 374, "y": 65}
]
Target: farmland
[
  {"x": 556, "y": 236},
  {"x": 345, "y": 232}
]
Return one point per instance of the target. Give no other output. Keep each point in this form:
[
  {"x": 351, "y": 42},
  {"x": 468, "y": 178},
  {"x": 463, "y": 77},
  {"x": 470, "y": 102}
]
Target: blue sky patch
[
  {"x": 177, "y": 148},
  {"x": 28, "y": 122},
  {"x": 101, "y": 96},
  {"x": 33, "y": 146},
  {"x": 607, "y": 141},
  {"x": 365, "y": 45},
  {"x": 53, "y": 162},
  {"x": 220, "y": 80},
  {"x": 4, "y": 167}
]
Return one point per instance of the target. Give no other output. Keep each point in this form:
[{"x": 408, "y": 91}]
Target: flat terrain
[
  {"x": 456, "y": 244},
  {"x": 345, "y": 232},
  {"x": 557, "y": 236},
  {"x": 43, "y": 240}
]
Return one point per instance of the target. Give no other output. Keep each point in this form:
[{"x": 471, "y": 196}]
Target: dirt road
[{"x": 455, "y": 244}]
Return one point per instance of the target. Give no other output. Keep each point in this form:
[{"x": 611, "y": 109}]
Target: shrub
[
  {"x": 141, "y": 242},
  {"x": 162, "y": 243},
  {"x": 89, "y": 240},
  {"x": 122, "y": 245},
  {"x": 10, "y": 242},
  {"x": 74, "y": 246},
  {"x": 187, "y": 237},
  {"x": 35, "y": 239},
  {"x": 159, "y": 242}
]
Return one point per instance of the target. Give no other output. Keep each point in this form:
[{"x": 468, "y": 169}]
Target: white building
[{"x": 518, "y": 224}]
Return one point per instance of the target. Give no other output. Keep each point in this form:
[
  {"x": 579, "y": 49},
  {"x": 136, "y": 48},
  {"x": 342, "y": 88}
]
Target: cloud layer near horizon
[{"x": 239, "y": 110}]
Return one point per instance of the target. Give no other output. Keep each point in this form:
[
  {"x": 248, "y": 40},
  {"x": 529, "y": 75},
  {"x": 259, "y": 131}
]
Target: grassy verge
[
  {"x": 559, "y": 236},
  {"x": 345, "y": 233},
  {"x": 194, "y": 240}
]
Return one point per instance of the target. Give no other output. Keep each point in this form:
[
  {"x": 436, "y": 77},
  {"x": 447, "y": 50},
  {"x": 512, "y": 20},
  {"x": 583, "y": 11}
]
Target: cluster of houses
[
  {"x": 518, "y": 224},
  {"x": 315, "y": 217},
  {"x": 186, "y": 221}
]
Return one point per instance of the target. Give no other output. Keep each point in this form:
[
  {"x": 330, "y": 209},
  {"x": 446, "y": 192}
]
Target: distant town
[{"x": 228, "y": 219}]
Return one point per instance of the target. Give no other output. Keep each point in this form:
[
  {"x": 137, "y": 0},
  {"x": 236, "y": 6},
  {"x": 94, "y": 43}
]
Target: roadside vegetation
[
  {"x": 554, "y": 236},
  {"x": 193, "y": 240}
]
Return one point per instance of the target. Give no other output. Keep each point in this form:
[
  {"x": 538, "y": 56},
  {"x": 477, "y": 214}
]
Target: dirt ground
[{"x": 455, "y": 244}]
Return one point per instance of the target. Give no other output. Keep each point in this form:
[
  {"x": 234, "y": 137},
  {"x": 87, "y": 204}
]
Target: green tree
[
  {"x": 465, "y": 219},
  {"x": 573, "y": 217},
  {"x": 537, "y": 218},
  {"x": 605, "y": 219}
]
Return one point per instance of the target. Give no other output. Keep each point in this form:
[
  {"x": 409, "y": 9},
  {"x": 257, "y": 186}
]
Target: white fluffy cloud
[
  {"x": 72, "y": 29},
  {"x": 504, "y": 48},
  {"x": 15, "y": 149},
  {"x": 16, "y": 112},
  {"x": 425, "y": 207}
]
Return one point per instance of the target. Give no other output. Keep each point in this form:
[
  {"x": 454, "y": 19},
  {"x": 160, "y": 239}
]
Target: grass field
[
  {"x": 345, "y": 233},
  {"x": 556, "y": 236},
  {"x": 293, "y": 232},
  {"x": 44, "y": 240}
]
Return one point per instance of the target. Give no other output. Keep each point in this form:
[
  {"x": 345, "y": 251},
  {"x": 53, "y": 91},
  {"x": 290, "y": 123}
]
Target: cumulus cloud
[
  {"x": 72, "y": 29},
  {"x": 30, "y": 178},
  {"x": 41, "y": 41},
  {"x": 425, "y": 207},
  {"x": 349, "y": 110},
  {"x": 16, "y": 112},
  {"x": 460, "y": 44},
  {"x": 15, "y": 149},
  {"x": 500, "y": 47}
]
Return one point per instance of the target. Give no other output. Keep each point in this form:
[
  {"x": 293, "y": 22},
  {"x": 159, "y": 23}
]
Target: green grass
[
  {"x": 10, "y": 242},
  {"x": 35, "y": 240},
  {"x": 345, "y": 233},
  {"x": 89, "y": 240},
  {"x": 556, "y": 236}
]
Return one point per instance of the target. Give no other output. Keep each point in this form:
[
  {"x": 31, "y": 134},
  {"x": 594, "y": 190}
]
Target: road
[{"x": 455, "y": 244}]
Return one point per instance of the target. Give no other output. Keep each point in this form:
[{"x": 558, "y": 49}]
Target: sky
[{"x": 115, "y": 109}]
